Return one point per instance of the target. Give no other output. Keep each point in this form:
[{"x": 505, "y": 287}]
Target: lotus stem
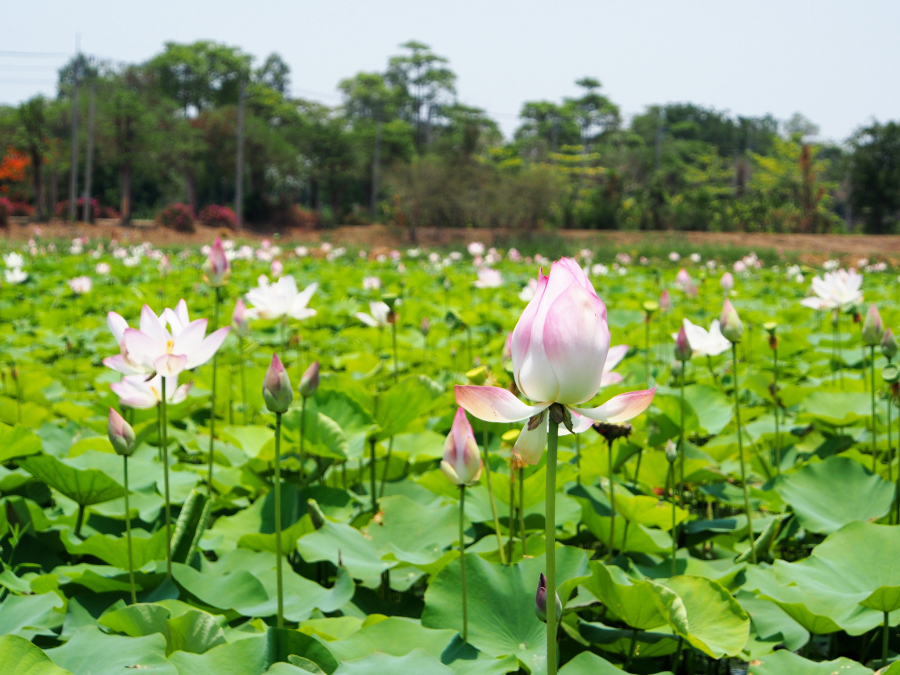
[
  {"x": 681, "y": 442},
  {"x": 840, "y": 350},
  {"x": 737, "y": 415},
  {"x": 647, "y": 350},
  {"x": 462, "y": 561},
  {"x": 128, "y": 534},
  {"x": 372, "y": 474},
  {"x": 394, "y": 344},
  {"x": 775, "y": 406},
  {"x": 522, "y": 512},
  {"x": 890, "y": 449},
  {"x": 212, "y": 399},
  {"x": 631, "y": 648},
  {"x": 550, "y": 536},
  {"x": 486, "y": 460},
  {"x": 512, "y": 515},
  {"x": 874, "y": 428},
  {"x": 79, "y": 520},
  {"x": 302, "y": 429},
  {"x": 243, "y": 381},
  {"x": 885, "y": 635},
  {"x": 578, "y": 458},
  {"x": 164, "y": 439},
  {"x": 612, "y": 503},
  {"x": 387, "y": 466},
  {"x": 674, "y": 536},
  {"x": 278, "y": 578}
]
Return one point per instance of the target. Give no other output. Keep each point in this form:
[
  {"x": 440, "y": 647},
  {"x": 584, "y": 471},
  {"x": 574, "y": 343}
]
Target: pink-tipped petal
[
  {"x": 620, "y": 408},
  {"x": 531, "y": 443},
  {"x": 120, "y": 365},
  {"x": 169, "y": 365},
  {"x": 205, "y": 351},
  {"x": 189, "y": 338},
  {"x": 580, "y": 424},
  {"x": 153, "y": 328},
  {"x": 520, "y": 340},
  {"x": 610, "y": 378},
  {"x": 614, "y": 357},
  {"x": 117, "y": 326},
  {"x": 140, "y": 349},
  {"x": 495, "y": 404}
]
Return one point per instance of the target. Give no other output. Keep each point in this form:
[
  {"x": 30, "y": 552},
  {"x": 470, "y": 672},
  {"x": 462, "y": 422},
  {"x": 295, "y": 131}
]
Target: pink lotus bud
[
  {"x": 277, "y": 391},
  {"x": 507, "y": 347},
  {"x": 683, "y": 350},
  {"x": 462, "y": 461},
  {"x": 671, "y": 451},
  {"x": 425, "y": 327},
  {"x": 216, "y": 269},
  {"x": 873, "y": 327},
  {"x": 239, "y": 323},
  {"x": 309, "y": 381},
  {"x": 727, "y": 282},
  {"x": 730, "y": 323},
  {"x": 540, "y": 601},
  {"x": 665, "y": 302},
  {"x": 560, "y": 343},
  {"x": 164, "y": 265},
  {"x": 889, "y": 345},
  {"x": 121, "y": 435},
  {"x": 683, "y": 279},
  {"x": 277, "y": 268}
]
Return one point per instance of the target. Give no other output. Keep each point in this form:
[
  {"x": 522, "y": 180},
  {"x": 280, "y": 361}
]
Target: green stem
[
  {"x": 874, "y": 430},
  {"x": 885, "y": 635},
  {"x": 278, "y": 578},
  {"x": 631, "y": 648},
  {"x": 394, "y": 343},
  {"x": 469, "y": 347},
  {"x": 165, "y": 455},
  {"x": 890, "y": 448},
  {"x": 486, "y": 461},
  {"x": 674, "y": 537},
  {"x": 79, "y": 520},
  {"x": 550, "y": 536},
  {"x": 647, "y": 350},
  {"x": 243, "y": 381},
  {"x": 522, "y": 512},
  {"x": 612, "y": 504},
  {"x": 387, "y": 466},
  {"x": 372, "y": 474},
  {"x": 302, "y": 425},
  {"x": 212, "y": 400},
  {"x": 775, "y": 402},
  {"x": 637, "y": 469},
  {"x": 681, "y": 442},
  {"x": 128, "y": 535},
  {"x": 840, "y": 351},
  {"x": 512, "y": 516},
  {"x": 462, "y": 561},
  {"x": 578, "y": 458},
  {"x": 737, "y": 415}
]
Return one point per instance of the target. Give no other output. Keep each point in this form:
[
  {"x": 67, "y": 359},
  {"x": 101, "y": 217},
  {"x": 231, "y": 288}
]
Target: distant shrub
[
  {"x": 218, "y": 216},
  {"x": 109, "y": 212},
  {"x": 21, "y": 209},
  {"x": 62, "y": 209},
  {"x": 294, "y": 216},
  {"x": 178, "y": 217},
  {"x": 5, "y": 208}
]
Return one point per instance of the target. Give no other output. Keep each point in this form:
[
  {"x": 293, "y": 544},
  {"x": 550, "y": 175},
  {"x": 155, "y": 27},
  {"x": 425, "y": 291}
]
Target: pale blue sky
[{"x": 836, "y": 62}]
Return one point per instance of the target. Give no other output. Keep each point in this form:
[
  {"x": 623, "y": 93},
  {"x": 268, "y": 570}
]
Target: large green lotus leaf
[
  {"x": 828, "y": 495},
  {"x": 322, "y": 436},
  {"x": 19, "y": 657},
  {"x": 137, "y": 620},
  {"x": 500, "y": 608},
  {"x": 83, "y": 486},
  {"x": 839, "y": 409},
  {"x": 783, "y": 662},
  {"x": 190, "y": 631},
  {"x": 18, "y": 441},
  {"x": 423, "y": 446},
  {"x": 250, "y": 439},
  {"x": 638, "y": 539},
  {"x": 405, "y": 526},
  {"x": 417, "y": 661},
  {"x": 145, "y": 548},
  {"x": 395, "y": 636},
  {"x": 90, "y": 651},
  {"x": 649, "y": 511},
  {"x": 400, "y": 405},
  {"x": 642, "y": 604},
  {"x": 353, "y": 419},
  {"x": 255, "y": 654},
  {"x": 588, "y": 663},
  {"x": 712, "y": 621},
  {"x": 618, "y": 640},
  {"x": 770, "y": 627},
  {"x": 335, "y": 541},
  {"x": 572, "y": 569},
  {"x": 712, "y": 407},
  {"x": 30, "y": 615}
]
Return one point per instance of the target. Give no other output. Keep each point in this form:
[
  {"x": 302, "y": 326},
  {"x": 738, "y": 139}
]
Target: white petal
[
  {"x": 620, "y": 408},
  {"x": 495, "y": 404}
]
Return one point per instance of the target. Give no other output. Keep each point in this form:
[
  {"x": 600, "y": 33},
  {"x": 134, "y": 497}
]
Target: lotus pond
[{"x": 318, "y": 530}]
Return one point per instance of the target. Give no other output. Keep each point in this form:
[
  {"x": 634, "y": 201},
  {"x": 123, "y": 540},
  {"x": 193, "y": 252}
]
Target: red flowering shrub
[
  {"x": 18, "y": 208},
  {"x": 178, "y": 217},
  {"x": 62, "y": 209},
  {"x": 109, "y": 212},
  {"x": 218, "y": 216}
]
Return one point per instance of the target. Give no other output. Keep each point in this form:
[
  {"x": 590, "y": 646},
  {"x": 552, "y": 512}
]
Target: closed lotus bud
[
  {"x": 671, "y": 451},
  {"x": 309, "y": 381},
  {"x": 683, "y": 349},
  {"x": 239, "y": 323},
  {"x": 462, "y": 461},
  {"x": 121, "y": 435},
  {"x": 277, "y": 391},
  {"x": 216, "y": 269},
  {"x": 424, "y": 328},
  {"x": 873, "y": 327},
  {"x": 727, "y": 282},
  {"x": 665, "y": 302},
  {"x": 730, "y": 323},
  {"x": 889, "y": 344},
  {"x": 540, "y": 601},
  {"x": 683, "y": 279},
  {"x": 507, "y": 347},
  {"x": 771, "y": 327}
]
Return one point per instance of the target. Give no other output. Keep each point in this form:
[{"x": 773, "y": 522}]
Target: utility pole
[
  {"x": 659, "y": 133},
  {"x": 239, "y": 174},
  {"x": 376, "y": 167},
  {"x": 73, "y": 161},
  {"x": 89, "y": 162}
]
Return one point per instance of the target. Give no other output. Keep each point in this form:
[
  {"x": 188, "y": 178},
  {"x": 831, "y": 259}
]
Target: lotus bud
[
  {"x": 239, "y": 323},
  {"x": 727, "y": 282},
  {"x": 671, "y": 451},
  {"x": 770, "y": 327},
  {"x": 873, "y": 327},
  {"x": 462, "y": 461},
  {"x": 315, "y": 513},
  {"x": 216, "y": 269},
  {"x": 507, "y": 347},
  {"x": 540, "y": 601},
  {"x": 665, "y": 302},
  {"x": 424, "y": 328},
  {"x": 277, "y": 391},
  {"x": 164, "y": 265},
  {"x": 683, "y": 279},
  {"x": 889, "y": 345},
  {"x": 730, "y": 323},
  {"x": 683, "y": 351},
  {"x": 121, "y": 435},
  {"x": 309, "y": 381}
]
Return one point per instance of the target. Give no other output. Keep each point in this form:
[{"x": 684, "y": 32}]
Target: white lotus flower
[
  {"x": 15, "y": 275},
  {"x": 135, "y": 391},
  {"x": 273, "y": 301},
  {"x": 378, "y": 317},
  {"x": 13, "y": 260},
  {"x": 703, "y": 342},
  {"x": 835, "y": 291},
  {"x": 489, "y": 278}
]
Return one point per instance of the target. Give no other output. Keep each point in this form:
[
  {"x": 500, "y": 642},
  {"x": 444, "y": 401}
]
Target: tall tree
[
  {"x": 875, "y": 176},
  {"x": 33, "y": 137}
]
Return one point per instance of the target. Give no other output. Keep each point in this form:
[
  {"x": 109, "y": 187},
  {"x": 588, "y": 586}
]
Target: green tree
[
  {"x": 33, "y": 137},
  {"x": 875, "y": 176}
]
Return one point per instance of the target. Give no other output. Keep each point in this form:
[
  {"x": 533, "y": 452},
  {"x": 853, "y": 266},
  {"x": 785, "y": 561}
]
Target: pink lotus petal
[
  {"x": 495, "y": 404},
  {"x": 152, "y": 327},
  {"x": 205, "y": 351},
  {"x": 188, "y": 340},
  {"x": 614, "y": 357},
  {"x": 120, "y": 365},
  {"x": 530, "y": 444},
  {"x": 169, "y": 365},
  {"x": 610, "y": 378},
  {"x": 117, "y": 326},
  {"x": 140, "y": 349},
  {"x": 620, "y": 408}
]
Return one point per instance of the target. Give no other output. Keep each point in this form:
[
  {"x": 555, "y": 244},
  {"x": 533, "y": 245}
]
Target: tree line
[{"x": 402, "y": 148}]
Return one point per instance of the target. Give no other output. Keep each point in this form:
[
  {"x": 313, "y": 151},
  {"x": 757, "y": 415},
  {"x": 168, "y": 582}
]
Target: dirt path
[{"x": 812, "y": 248}]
